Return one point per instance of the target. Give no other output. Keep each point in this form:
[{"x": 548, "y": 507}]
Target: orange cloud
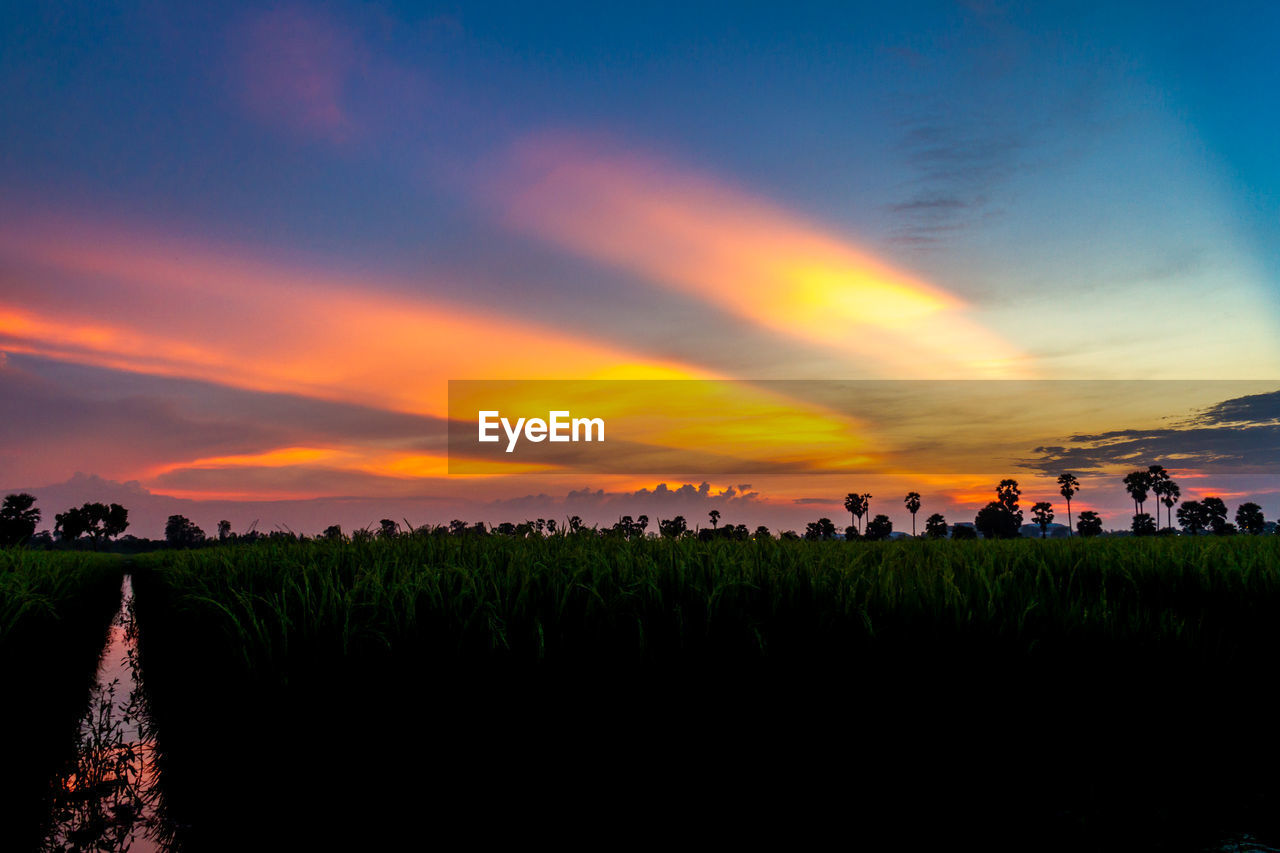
[
  {"x": 156, "y": 305},
  {"x": 686, "y": 232}
]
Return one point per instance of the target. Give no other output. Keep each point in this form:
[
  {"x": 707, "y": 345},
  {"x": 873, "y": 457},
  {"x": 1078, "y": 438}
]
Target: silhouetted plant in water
[{"x": 108, "y": 797}]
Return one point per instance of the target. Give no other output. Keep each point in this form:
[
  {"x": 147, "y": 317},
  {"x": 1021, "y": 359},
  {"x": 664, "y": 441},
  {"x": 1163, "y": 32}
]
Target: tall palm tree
[
  {"x": 1157, "y": 479},
  {"x": 1068, "y": 485},
  {"x": 858, "y": 506},
  {"x": 1138, "y": 484},
  {"x": 912, "y": 500},
  {"x": 855, "y": 506},
  {"x": 1169, "y": 497}
]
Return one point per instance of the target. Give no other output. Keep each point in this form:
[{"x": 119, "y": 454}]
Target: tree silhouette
[
  {"x": 1007, "y": 496},
  {"x": 333, "y": 533},
  {"x": 912, "y": 501},
  {"x": 935, "y": 526},
  {"x": 100, "y": 521},
  {"x": 762, "y": 532},
  {"x": 1089, "y": 524},
  {"x": 1216, "y": 512},
  {"x": 1143, "y": 525},
  {"x": 18, "y": 519},
  {"x": 1001, "y": 519},
  {"x": 224, "y": 530},
  {"x": 1169, "y": 494},
  {"x": 1158, "y": 481},
  {"x": 182, "y": 532},
  {"x": 1068, "y": 485},
  {"x": 821, "y": 529},
  {"x": 1249, "y": 518},
  {"x": 1042, "y": 512},
  {"x": 857, "y": 505},
  {"x": 115, "y": 521},
  {"x": 673, "y": 528},
  {"x": 714, "y": 515},
  {"x": 551, "y": 525},
  {"x": 1137, "y": 484},
  {"x": 1193, "y": 517},
  {"x": 387, "y": 529},
  {"x": 575, "y": 523},
  {"x": 963, "y": 531},
  {"x": 879, "y": 528},
  {"x": 994, "y": 521}
]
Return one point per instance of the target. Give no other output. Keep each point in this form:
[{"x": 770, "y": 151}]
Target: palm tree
[
  {"x": 714, "y": 515},
  {"x": 1137, "y": 484},
  {"x": 1068, "y": 485},
  {"x": 912, "y": 500},
  {"x": 1158, "y": 479},
  {"x": 857, "y": 506},
  {"x": 1169, "y": 494}
]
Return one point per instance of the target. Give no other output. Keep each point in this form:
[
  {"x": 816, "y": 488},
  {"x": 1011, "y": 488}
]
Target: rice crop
[
  {"x": 1096, "y": 688},
  {"x": 54, "y": 613}
]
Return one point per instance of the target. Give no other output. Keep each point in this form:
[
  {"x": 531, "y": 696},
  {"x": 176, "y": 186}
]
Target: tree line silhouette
[{"x": 99, "y": 524}]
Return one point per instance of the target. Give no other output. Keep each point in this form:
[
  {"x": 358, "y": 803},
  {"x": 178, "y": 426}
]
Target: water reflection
[{"x": 109, "y": 797}]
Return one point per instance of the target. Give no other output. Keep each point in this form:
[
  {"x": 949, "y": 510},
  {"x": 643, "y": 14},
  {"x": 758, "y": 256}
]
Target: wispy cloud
[
  {"x": 686, "y": 231},
  {"x": 1240, "y": 435},
  {"x": 143, "y": 301}
]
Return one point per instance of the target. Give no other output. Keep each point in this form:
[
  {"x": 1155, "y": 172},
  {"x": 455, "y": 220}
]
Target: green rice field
[{"x": 1104, "y": 694}]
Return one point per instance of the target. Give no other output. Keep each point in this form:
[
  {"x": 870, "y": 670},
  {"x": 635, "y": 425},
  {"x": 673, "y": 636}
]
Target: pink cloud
[{"x": 294, "y": 67}]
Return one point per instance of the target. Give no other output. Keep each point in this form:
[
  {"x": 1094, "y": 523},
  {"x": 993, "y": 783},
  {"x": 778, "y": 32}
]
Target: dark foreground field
[
  {"x": 1031, "y": 695},
  {"x": 54, "y": 613}
]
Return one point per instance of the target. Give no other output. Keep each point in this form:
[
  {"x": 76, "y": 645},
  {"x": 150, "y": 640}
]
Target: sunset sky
[{"x": 244, "y": 248}]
